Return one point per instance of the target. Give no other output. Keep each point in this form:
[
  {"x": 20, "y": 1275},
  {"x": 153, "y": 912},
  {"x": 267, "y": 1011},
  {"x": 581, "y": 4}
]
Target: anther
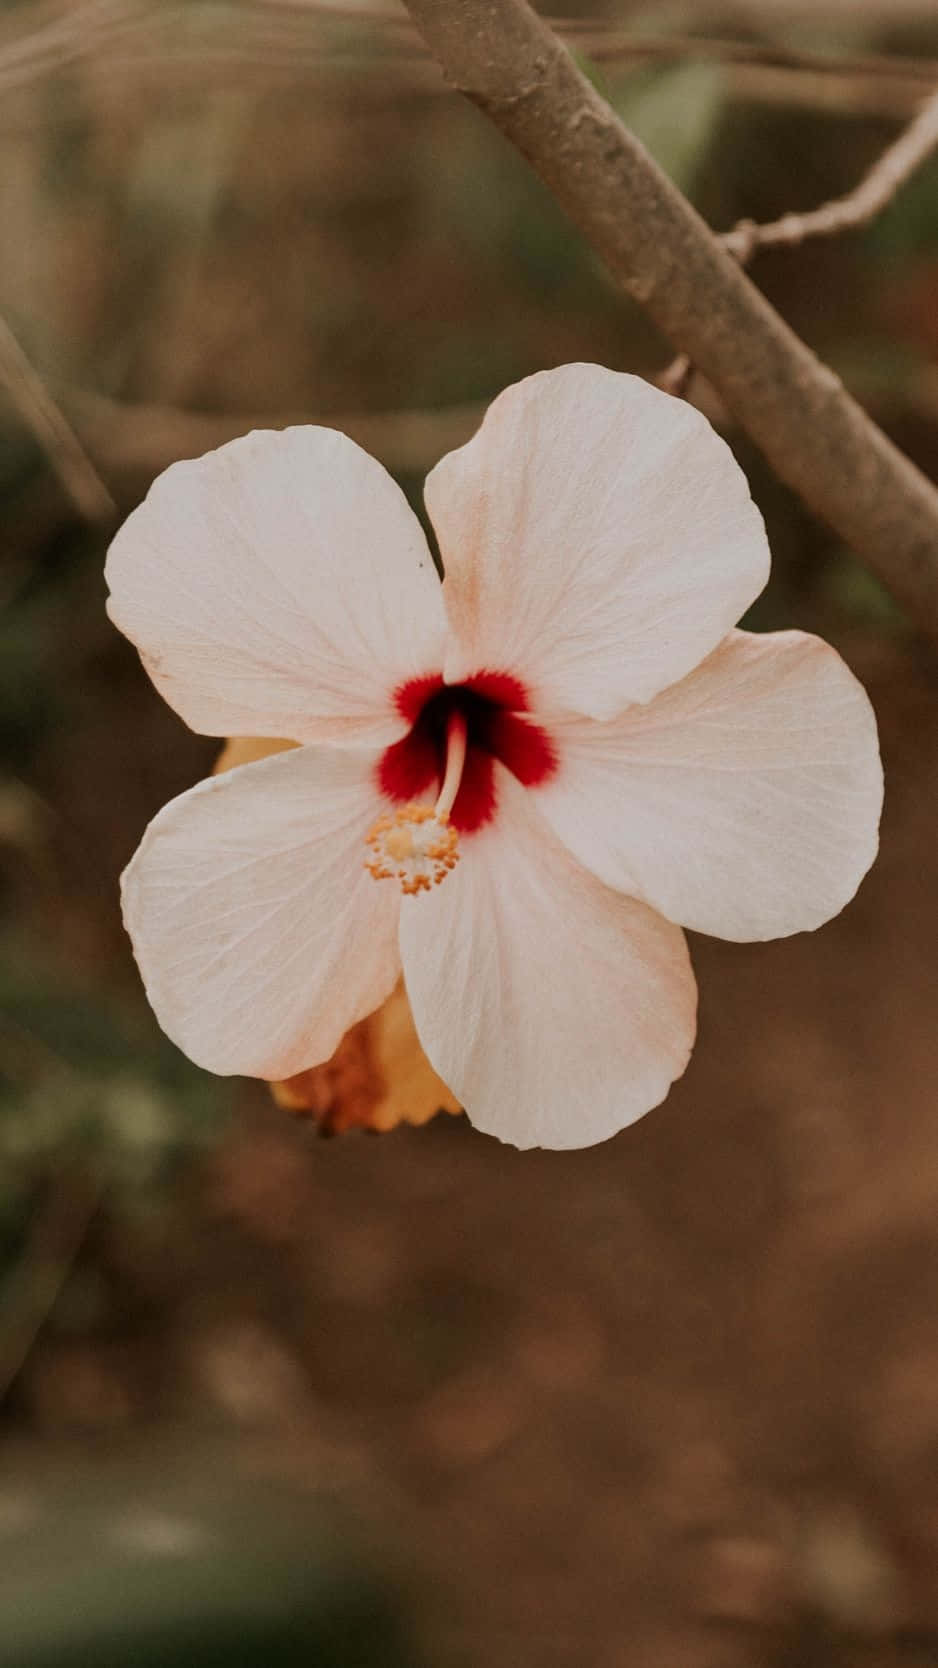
[{"x": 416, "y": 845}]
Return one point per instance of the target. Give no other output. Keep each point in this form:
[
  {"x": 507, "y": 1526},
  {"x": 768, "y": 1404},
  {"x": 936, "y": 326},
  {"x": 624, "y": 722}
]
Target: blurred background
[{"x": 420, "y": 1398}]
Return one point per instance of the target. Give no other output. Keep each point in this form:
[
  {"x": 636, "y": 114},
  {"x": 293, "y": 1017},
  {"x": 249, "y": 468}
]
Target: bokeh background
[{"x": 418, "y": 1397}]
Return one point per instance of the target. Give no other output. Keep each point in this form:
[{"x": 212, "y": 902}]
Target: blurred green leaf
[
  {"x": 858, "y": 594},
  {"x": 86, "y": 1080},
  {"x": 674, "y": 112},
  {"x": 909, "y": 226},
  {"x": 185, "y": 1559}
]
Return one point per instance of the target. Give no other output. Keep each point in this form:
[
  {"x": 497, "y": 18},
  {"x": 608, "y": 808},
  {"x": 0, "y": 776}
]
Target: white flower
[{"x": 519, "y": 784}]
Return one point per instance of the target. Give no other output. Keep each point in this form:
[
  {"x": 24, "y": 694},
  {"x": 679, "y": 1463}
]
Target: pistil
[
  {"x": 457, "y": 732},
  {"x": 416, "y": 844}
]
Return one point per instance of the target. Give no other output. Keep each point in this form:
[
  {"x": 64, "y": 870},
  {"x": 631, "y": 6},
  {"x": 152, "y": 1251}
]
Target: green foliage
[
  {"x": 186, "y": 1560},
  {"x": 909, "y": 227},
  {"x": 88, "y": 1083},
  {"x": 674, "y": 111},
  {"x": 857, "y": 594}
]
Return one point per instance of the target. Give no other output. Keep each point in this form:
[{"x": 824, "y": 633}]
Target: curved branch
[
  {"x": 858, "y": 207},
  {"x": 876, "y": 190},
  {"x": 503, "y": 57}
]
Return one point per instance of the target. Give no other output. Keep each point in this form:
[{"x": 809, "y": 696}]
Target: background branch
[
  {"x": 133, "y": 443},
  {"x": 503, "y": 57},
  {"x": 55, "y": 1239},
  {"x": 29, "y": 396},
  {"x": 303, "y": 38},
  {"x": 874, "y": 193}
]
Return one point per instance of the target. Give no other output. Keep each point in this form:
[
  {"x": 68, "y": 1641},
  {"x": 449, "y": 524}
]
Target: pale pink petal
[
  {"x": 259, "y": 935},
  {"x": 598, "y": 540},
  {"x": 557, "y": 1011},
  {"x": 280, "y": 586},
  {"x": 744, "y": 801}
]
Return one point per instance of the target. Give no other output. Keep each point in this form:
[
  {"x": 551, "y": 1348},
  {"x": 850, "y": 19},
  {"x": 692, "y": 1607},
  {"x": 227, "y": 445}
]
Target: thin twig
[
  {"x": 507, "y": 60},
  {"x": 56, "y": 1237},
  {"x": 28, "y": 394},
  {"x": 305, "y": 33},
  {"x": 874, "y": 193},
  {"x": 55, "y": 44},
  {"x": 619, "y": 45},
  {"x": 876, "y": 190},
  {"x": 135, "y": 442}
]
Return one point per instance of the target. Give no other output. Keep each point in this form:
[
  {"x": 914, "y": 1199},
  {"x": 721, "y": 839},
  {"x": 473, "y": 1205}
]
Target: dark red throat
[{"x": 493, "y": 706}]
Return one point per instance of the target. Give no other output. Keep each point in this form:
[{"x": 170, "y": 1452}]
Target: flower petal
[
  {"x": 279, "y": 586},
  {"x": 378, "y": 1077},
  {"x": 598, "y": 540},
  {"x": 743, "y": 802},
  {"x": 556, "y": 1010},
  {"x": 259, "y": 935}
]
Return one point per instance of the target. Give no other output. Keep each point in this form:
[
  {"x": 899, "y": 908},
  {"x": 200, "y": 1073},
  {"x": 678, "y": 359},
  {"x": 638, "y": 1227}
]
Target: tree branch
[
  {"x": 504, "y": 58},
  {"x": 874, "y": 193}
]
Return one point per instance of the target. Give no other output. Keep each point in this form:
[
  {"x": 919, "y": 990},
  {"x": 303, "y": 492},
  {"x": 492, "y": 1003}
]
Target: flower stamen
[{"x": 416, "y": 844}]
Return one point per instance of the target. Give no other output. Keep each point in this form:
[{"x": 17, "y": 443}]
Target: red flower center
[{"x": 492, "y": 705}]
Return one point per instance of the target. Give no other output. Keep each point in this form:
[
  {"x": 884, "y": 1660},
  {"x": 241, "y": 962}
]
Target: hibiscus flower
[{"x": 517, "y": 785}]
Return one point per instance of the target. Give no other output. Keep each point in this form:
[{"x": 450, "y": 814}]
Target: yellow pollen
[
  {"x": 399, "y": 843},
  {"x": 416, "y": 845}
]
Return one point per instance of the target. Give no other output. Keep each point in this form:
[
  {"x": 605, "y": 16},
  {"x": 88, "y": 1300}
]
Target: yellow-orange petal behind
[
  {"x": 242, "y": 750},
  {"x": 378, "y": 1077}
]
